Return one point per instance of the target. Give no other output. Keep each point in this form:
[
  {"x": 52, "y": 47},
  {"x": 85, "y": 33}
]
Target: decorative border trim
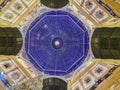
[{"x": 3, "y": 4}]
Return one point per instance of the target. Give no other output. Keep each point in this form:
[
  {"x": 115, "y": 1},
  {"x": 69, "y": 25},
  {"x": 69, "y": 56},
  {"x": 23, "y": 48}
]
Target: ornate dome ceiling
[{"x": 56, "y": 47}]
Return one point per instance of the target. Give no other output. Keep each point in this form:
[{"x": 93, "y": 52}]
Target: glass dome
[{"x": 57, "y": 43}]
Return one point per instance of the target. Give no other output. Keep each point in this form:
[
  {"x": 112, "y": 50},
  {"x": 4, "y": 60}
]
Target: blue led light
[{"x": 57, "y": 43}]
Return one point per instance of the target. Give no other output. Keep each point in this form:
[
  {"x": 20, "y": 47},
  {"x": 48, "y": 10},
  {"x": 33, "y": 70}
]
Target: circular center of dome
[{"x": 57, "y": 43}]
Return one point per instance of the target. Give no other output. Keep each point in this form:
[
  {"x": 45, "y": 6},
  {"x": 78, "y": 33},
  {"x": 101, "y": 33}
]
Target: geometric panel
[
  {"x": 100, "y": 15},
  {"x": 99, "y": 70},
  {"x": 9, "y": 16},
  {"x": 88, "y": 80},
  {"x": 16, "y": 75},
  {"x": 18, "y": 6},
  {"x": 7, "y": 65},
  {"x": 89, "y": 5}
]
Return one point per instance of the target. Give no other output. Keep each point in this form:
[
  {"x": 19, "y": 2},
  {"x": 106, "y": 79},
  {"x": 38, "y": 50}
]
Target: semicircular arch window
[{"x": 55, "y": 3}]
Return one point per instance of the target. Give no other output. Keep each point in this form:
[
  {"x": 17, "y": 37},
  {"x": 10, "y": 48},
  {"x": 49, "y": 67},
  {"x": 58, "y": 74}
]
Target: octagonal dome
[{"x": 57, "y": 43}]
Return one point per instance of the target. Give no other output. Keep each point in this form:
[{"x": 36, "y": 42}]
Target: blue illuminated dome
[{"x": 57, "y": 43}]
